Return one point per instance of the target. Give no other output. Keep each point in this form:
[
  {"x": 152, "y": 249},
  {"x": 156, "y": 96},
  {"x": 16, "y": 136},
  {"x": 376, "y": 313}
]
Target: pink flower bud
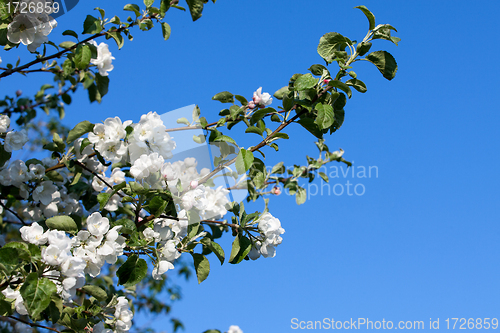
[
  {"x": 251, "y": 105},
  {"x": 326, "y": 81},
  {"x": 276, "y": 190},
  {"x": 19, "y": 93},
  {"x": 22, "y": 107},
  {"x": 193, "y": 184}
]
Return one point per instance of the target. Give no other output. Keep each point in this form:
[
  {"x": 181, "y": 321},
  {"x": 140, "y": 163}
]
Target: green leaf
[
  {"x": 311, "y": 126},
  {"x": 300, "y": 196},
  {"x": 363, "y": 48},
  {"x": 166, "y": 30},
  {"x": 369, "y": 15},
  {"x": 202, "y": 266},
  {"x": 102, "y": 83},
  {"x": 224, "y": 97},
  {"x": 67, "y": 45},
  {"x": 357, "y": 84},
  {"x": 342, "y": 86},
  {"x": 244, "y": 161},
  {"x": 55, "y": 309},
  {"x": 148, "y": 3},
  {"x": 304, "y": 82},
  {"x": 80, "y": 129},
  {"x": 385, "y": 63},
  {"x": 318, "y": 69},
  {"x": 6, "y": 308},
  {"x": 64, "y": 223},
  {"x": 331, "y": 42},
  {"x": 325, "y": 117},
  {"x": 241, "y": 99},
  {"x": 4, "y": 155},
  {"x": 82, "y": 56},
  {"x": 99, "y": 293},
  {"x": 324, "y": 176},
  {"x": 200, "y": 138},
  {"x": 23, "y": 251},
  {"x": 36, "y": 293},
  {"x": 132, "y": 271},
  {"x": 70, "y": 33},
  {"x": 261, "y": 113},
  {"x": 281, "y": 93},
  {"x": 9, "y": 259},
  {"x": 92, "y": 25},
  {"x": 219, "y": 252},
  {"x": 195, "y": 7},
  {"x": 133, "y": 8},
  {"x": 120, "y": 41},
  {"x": 225, "y": 138},
  {"x": 253, "y": 129},
  {"x": 241, "y": 247}
]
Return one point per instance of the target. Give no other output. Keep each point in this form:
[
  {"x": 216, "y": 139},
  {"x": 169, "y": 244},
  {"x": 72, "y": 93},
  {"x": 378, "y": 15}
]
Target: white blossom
[
  {"x": 15, "y": 140},
  {"x": 4, "y": 121},
  {"x": 104, "y": 58}
]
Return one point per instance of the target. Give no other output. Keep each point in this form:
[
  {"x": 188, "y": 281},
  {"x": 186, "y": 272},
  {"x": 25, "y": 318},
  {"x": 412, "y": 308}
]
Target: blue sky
[{"x": 422, "y": 241}]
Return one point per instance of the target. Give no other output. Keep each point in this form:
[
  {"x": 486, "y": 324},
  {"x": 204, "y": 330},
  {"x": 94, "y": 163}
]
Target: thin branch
[
  {"x": 60, "y": 53},
  {"x": 13, "y": 213},
  {"x": 34, "y": 325}
]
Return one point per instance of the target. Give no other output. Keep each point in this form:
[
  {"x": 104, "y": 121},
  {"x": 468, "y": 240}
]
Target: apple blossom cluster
[
  {"x": 271, "y": 231},
  {"x": 30, "y": 25},
  {"x": 146, "y": 148},
  {"x": 69, "y": 259},
  {"x": 47, "y": 198},
  {"x": 14, "y": 140}
]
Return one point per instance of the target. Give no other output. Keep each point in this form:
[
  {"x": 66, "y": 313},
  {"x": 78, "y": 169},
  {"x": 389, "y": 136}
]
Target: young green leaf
[
  {"x": 202, "y": 266},
  {"x": 36, "y": 293},
  {"x": 80, "y": 129},
  {"x": 369, "y": 15},
  {"x": 63, "y": 223},
  {"x": 385, "y": 63},
  {"x": 243, "y": 161},
  {"x": 325, "y": 117},
  {"x": 132, "y": 271}
]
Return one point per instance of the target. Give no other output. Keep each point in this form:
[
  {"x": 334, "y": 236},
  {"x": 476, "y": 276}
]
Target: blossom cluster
[
  {"x": 32, "y": 28},
  {"x": 70, "y": 259},
  {"x": 270, "y": 237}
]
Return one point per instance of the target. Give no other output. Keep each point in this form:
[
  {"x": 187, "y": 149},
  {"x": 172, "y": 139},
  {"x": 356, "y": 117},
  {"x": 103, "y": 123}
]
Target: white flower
[
  {"x": 46, "y": 192},
  {"x": 195, "y": 198},
  {"x": 4, "y": 121},
  {"x": 169, "y": 251},
  {"x": 161, "y": 268},
  {"x": 234, "y": 329},
  {"x": 262, "y": 99},
  {"x": 104, "y": 58},
  {"x": 15, "y": 294},
  {"x": 15, "y": 140},
  {"x": 97, "y": 225},
  {"x": 146, "y": 165},
  {"x": 123, "y": 315},
  {"x": 37, "y": 171},
  {"x": 33, "y": 234},
  {"x": 22, "y": 29}
]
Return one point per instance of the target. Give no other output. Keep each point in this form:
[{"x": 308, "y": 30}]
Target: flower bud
[
  {"x": 19, "y": 93},
  {"x": 326, "y": 81},
  {"x": 276, "y": 190},
  {"x": 193, "y": 184},
  {"x": 251, "y": 105}
]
